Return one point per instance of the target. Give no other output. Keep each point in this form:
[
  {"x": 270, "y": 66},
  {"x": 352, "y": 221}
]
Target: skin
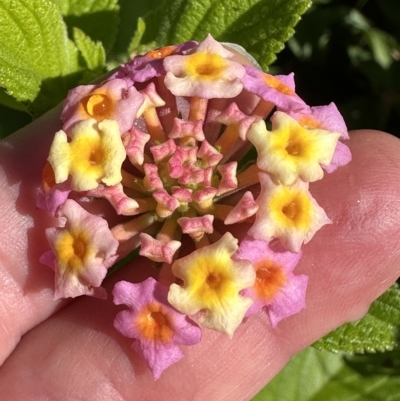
[{"x": 70, "y": 350}]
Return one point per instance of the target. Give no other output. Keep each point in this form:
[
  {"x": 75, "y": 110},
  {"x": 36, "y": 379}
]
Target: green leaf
[
  {"x": 261, "y": 27},
  {"x": 136, "y": 39},
  {"x": 97, "y": 18},
  {"x": 302, "y": 377},
  {"x": 378, "y": 330},
  {"x": 92, "y": 52},
  {"x": 316, "y": 375},
  {"x": 8, "y": 101},
  {"x": 33, "y": 46},
  {"x": 356, "y": 19},
  {"x": 382, "y": 45},
  {"x": 382, "y": 363}
]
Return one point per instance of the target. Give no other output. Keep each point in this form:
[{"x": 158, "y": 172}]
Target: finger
[
  {"x": 349, "y": 263},
  {"x": 26, "y": 286}
]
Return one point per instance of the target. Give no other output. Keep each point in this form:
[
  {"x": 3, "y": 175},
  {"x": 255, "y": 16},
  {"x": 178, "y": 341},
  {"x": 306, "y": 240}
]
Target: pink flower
[
  {"x": 341, "y": 157},
  {"x": 112, "y": 100},
  {"x": 51, "y": 195},
  {"x": 156, "y": 326},
  {"x": 143, "y": 68},
  {"x": 276, "y": 288},
  {"x": 81, "y": 252},
  {"x": 278, "y": 89},
  {"x": 324, "y": 117}
]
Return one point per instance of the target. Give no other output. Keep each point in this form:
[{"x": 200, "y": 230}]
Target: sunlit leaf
[
  {"x": 43, "y": 51},
  {"x": 316, "y": 375},
  {"x": 378, "y": 330},
  {"x": 92, "y": 52},
  {"x": 261, "y": 27}
]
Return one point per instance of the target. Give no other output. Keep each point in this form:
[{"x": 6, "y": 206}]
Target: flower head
[
  {"x": 157, "y": 327},
  {"x": 175, "y": 141},
  {"x": 81, "y": 252}
]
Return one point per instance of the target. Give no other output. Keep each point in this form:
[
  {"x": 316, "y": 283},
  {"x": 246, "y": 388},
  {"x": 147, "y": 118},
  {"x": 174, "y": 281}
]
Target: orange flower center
[
  {"x": 293, "y": 148},
  {"x": 48, "y": 178},
  {"x": 290, "y": 210},
  {"x": 99, "y": 106},
  {"x": 79, "y": 247},
  {"x": 161, "y": 52},
  {"x": 308, "y": 121},
  {"x": 72, "y": 249},
  {"x": 213, "y": 280},
  {"x": 274, "y": 82},
  {"x": 270, "y": 278},
  {"x": 155, "y": 324}
]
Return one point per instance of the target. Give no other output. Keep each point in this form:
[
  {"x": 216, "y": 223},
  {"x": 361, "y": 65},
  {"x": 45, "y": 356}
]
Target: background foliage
[{"x": 346, "y": 51}]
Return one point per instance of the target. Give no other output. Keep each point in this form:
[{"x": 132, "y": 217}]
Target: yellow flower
[
  {"x": 288, "y": 213},
  {"x": 94, "y": 154},
  {"x": 207, "y": 72},
  {"x": 291, "y": 151},
  {"x": 211, "y": 285}
]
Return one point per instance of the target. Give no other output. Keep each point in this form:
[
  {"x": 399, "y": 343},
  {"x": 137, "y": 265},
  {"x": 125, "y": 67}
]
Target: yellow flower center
[
  {"x": 291, "y": 207},
  {"x": 270, "y": 278},
  {"x": 274, "y": 82},
  {"x": 71, "y": 249},
  {"x": 99, "y": 106},
  {"x": 88, "y": 154},
  {"x": 205, "y": 66},
  {"x": 211, "y": 282},
  {"x": 295, "y": 141},
  {"x": 155, "y": 324}
]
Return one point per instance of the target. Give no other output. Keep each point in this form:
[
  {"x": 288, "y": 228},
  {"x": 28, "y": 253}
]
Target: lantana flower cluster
[{"x": 207, "y": 164}]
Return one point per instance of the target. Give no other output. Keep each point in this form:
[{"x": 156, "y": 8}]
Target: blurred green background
[{"x": 347, "y": 51}]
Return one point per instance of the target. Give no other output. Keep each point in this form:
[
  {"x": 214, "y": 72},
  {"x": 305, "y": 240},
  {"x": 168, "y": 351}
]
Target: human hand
[{"x": 77, "y": 354}]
